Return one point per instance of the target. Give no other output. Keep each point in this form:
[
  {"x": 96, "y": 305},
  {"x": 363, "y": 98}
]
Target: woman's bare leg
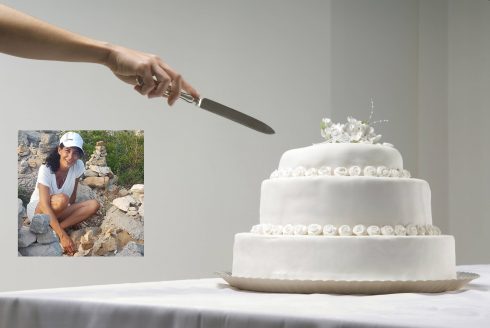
[
  {"x": 78, "y": 212},
  {"x": 59, "y": 202}
]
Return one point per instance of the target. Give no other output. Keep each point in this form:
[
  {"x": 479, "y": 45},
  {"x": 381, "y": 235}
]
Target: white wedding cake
[{"x": 344, "y": 209}]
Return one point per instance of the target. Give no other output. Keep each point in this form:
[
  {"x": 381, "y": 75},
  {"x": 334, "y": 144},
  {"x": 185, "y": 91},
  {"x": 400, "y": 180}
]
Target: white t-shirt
[{"x": 48, "y": 179}]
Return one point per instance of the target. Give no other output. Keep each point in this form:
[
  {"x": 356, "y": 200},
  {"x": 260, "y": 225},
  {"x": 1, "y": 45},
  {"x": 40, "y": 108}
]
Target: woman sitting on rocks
[{"x": 56, "y": 189}]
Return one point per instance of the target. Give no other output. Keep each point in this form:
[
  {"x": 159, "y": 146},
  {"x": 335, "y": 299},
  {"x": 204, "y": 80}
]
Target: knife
[
  {"x": 222, "y": 110},
  {"x": 227, "y": 112}
]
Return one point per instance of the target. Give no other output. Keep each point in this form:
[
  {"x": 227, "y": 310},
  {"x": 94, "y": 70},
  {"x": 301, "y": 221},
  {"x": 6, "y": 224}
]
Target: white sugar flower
[
  {"x": 340, "y": 171},
  {"x": 311, "y": 172},
  {"x": 300, "y": 229},
  {"x": 325, "y": 170},
  {"x": 387, "y": 230},
  {"x": 329, "y": 230},
  {"x": 325, "y": 128},
  {"x": 370, "y": 171},
  {"x": 288, "y": 229},
  {"x": 299, "y": 171},
  {"x": 400, "y": 230},
  {"x": 383, "y": 171},
  {"x": 314, "y": 229},
  {"x": 345, "y": 230},
  {"x": 359, "y": 230},
  {"x": 275, "y": 174},
  {"x": 277, "y": 229},
  {"x": 412, "y": 230},
  {"x": 373, "y": 230},
  {"x": 354, "y": 171}
]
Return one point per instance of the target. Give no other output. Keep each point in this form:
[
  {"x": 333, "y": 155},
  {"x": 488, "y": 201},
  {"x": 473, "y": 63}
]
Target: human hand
[
  {"x": 67, "y": 244},
  {"x": 156, "y": 75}
]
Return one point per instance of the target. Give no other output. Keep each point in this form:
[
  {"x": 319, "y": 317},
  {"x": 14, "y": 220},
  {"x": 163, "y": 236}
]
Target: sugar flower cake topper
[{"x": 353, "y": 131}]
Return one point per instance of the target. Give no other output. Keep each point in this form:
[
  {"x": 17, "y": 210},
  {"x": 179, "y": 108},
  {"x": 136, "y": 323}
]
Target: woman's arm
[
  {"x": 45, "y": 207},
  {"x": 25, "y": 36}
]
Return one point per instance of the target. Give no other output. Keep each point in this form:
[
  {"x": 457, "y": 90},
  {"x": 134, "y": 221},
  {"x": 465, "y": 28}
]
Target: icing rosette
[
  {"x": 394, "y": 173},
  {"x": 275, "y": 174},
  {"x": 285, "y": 173},
  {"x": 267, "y": 229},
  {"x": 405, "y": 174},
  {"x": 300, "y": 229},
  {"x": 330, "y": 230},
  {"x": 373, "y": 230},
  {"x": 277, "y": 229},
  {"x": 314, "y": 229},
  {"x": 359, "y": 230},
  {"x": 311, "y": 172},
  {"x": 387, "y": 230},
  {"x": 370, "y": 171},
  {"x": 256, "y": 229},
  {"x": 325, "y": 170},
  {"x": 383, "y": 171},
  {"x": 400, "y": 230},
  {"x": 299, "y": 171},
  {"x": 387, "y": 144},
  {"x": 288, "y": 229},
  {"x": 412, "y": 230},
  {"x": 345, "y": 230},
  {"x": 421, "y": 230},
  {"x": 340, "y": 171},
  {"x": 354, "y": 171},
  {"x": 436, "y": 230}
]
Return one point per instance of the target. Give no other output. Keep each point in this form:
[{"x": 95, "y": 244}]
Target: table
[{"x": 212, "y": 303}]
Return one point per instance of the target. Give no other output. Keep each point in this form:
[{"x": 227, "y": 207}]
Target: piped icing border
[
  {"x": 346, "y": 230},
  {"x": 368, "y": 171}
]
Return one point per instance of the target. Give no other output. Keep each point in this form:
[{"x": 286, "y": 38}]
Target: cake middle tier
[{"x": 345, "y": 200}]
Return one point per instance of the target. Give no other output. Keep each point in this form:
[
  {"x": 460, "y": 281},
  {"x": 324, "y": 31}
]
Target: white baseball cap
[{"x": 72, "y": 139}]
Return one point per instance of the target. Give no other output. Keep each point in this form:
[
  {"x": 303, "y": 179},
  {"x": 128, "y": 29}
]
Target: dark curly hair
[{"x": 53, "y": 159}]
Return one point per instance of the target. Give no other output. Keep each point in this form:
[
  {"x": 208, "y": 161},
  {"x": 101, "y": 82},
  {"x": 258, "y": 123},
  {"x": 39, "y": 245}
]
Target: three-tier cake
[{"x": 344, "y": 209}]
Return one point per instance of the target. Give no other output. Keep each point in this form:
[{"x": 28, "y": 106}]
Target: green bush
[{"x": 125, "y": 153}]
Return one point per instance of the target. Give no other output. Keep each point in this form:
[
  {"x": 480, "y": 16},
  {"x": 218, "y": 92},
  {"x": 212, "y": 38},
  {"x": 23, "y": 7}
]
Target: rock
[
  {"x": 21, "y": 213},
  {"x": 122, "y": 238},
  {"x": 123, "y": 192},
  {"x": 26, "y": 237},
  {"x": 132, "y": 249},
  {"x": 39, "y": 223},
  {"x": 104, "y": 245},
  {"x": 96, "y": 182},
  {"x": 85, "y": 193},
  {"x": 123, "y": 203},
  {"x": 101, "y": 170},
  {"x": 141, "y": 210},
  {"x": 87, "y": 240},
  {"x": 48, "y": 237},
  {"x": 90, "y": 173},
  {"x": 138, "y": 188},
  {"x": 53, "y": 249},
  {"x": 117, "y": 219},
  {"x": 132, "y": 212},
  {"x": 23, "y": 166},
  {"x": 99, "y": 144},
  {"x": 23, "y": 150}
]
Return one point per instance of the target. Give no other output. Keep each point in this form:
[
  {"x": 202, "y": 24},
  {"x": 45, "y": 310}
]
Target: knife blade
[
  {"x": 221, "y": 110},
  {"x": 227, "y": 112}
]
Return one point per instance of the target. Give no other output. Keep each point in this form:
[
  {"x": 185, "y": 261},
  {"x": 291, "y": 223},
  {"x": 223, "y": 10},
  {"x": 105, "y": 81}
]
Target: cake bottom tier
[{"x": 344, "y": 258}]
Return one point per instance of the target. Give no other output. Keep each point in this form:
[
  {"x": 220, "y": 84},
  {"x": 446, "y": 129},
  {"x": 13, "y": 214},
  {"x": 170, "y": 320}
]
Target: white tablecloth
[{"x": 212, "y": 303}]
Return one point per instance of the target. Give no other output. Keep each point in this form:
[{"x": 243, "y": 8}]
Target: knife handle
[{"x": 184, "y": 96}]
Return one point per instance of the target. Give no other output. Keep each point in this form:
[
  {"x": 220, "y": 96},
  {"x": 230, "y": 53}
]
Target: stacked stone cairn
[
  {"x": 37, "y": 239},
  {"x": 97, "y": 173}
]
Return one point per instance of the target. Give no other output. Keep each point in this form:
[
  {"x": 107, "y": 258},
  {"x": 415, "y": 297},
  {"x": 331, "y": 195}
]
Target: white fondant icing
[
  {"x": 342, "y": 155},
  {"x": 344, "y": 258},
  {"x": 338, "y": 200}
]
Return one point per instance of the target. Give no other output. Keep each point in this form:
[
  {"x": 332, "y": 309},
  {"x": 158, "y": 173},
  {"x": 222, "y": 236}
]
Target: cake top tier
[{"x": 342, "y": 155}]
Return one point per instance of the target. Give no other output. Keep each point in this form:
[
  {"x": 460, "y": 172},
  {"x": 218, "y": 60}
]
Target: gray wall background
[{"x": 289, "y": 63}]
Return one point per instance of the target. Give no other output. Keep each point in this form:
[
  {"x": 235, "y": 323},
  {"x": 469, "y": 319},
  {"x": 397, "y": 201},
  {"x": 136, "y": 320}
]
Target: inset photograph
[{"x": 80, "y": 193}]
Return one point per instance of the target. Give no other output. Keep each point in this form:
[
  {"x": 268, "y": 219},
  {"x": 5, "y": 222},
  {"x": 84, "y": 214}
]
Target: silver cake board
[{"x": 371, "y": 287}]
